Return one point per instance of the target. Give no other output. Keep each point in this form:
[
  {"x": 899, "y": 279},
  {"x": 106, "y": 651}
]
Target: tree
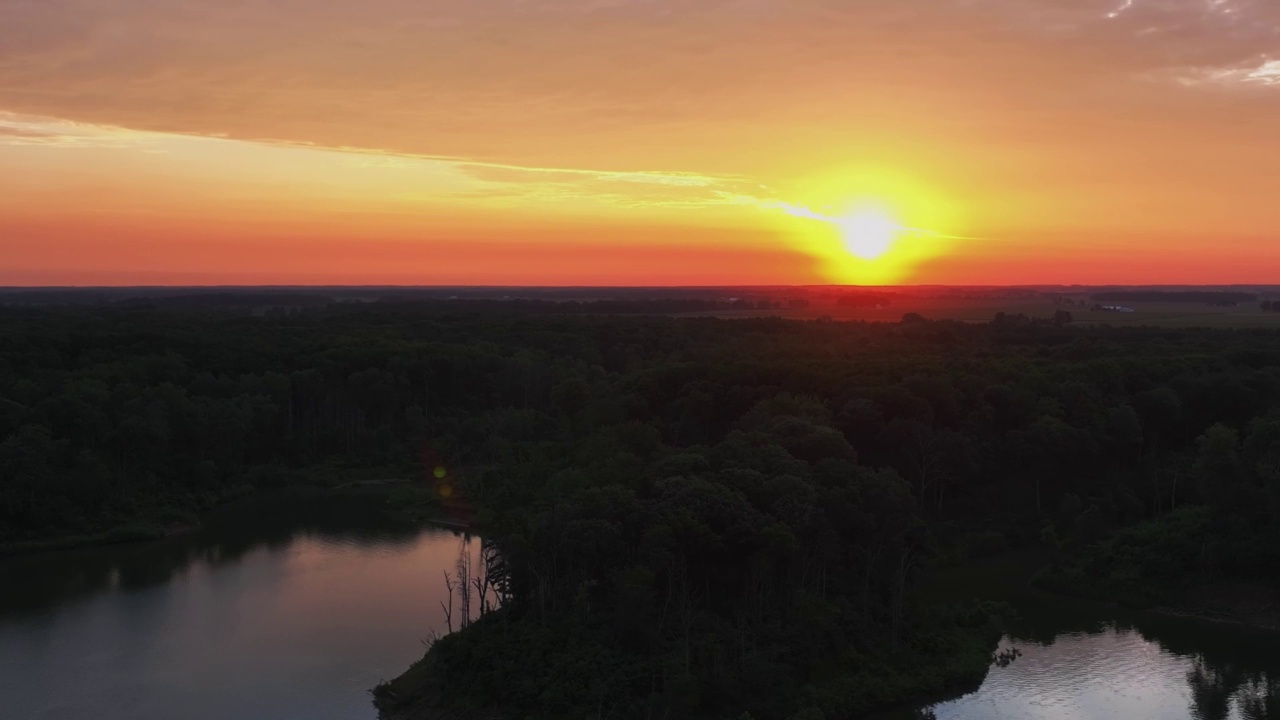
[
  {"x": 1052, "y": 450},
  {"x": 570, "y": 396},
  {"x": 1261, "y": 454},
  {"x": 1217, "y": 470},
  {"x": 1124, "y": 433},
  {"x": 28, "y": 475}
]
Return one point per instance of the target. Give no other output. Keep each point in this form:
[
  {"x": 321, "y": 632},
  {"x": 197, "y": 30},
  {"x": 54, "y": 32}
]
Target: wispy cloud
[
  {"x": 49, "y": 132},
  {"x": 629, "y": 189},
  {"x": 423, "y": 177},
  {"x": 1124, "y": 7},
  {"x": 1183, "y": 43},
  {"x": 1263, "y": 73}
]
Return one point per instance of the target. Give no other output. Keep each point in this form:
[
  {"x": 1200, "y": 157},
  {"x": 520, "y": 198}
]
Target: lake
[
  {"x": 295, "y": 606},
  {"x": 291, "y": 607}
]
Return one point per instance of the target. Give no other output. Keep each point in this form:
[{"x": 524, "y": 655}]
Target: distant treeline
[
  {"x": 1207, "y": 297},
  {"x": 866, "y": 299},
  {"x": 285, "y": 302},
  {"x": 266, "y": 295},
  {"x": 658, "y": 306},
  {"x": 231, "y": 300}
]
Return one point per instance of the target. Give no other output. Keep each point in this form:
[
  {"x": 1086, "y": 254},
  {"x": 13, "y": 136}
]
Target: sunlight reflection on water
[
  {"x": 264, "y": 617},
  {"x": 1120, "y": 671}
]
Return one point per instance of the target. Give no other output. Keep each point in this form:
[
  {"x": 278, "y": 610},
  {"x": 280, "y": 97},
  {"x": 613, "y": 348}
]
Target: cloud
[
  {"x": 604, "y": 83},
  {"x": 1210, "y": 43},
  {"x": 1264, "y": 73},
  {"x": 46, "y": 132},
  {"x": 14, "y": 132},
  {"x": 1192, "y": 42},
  {"x": 410, "y": 178},
  {"x": 717, "y": 88},
  {"x": 1172, "y": 40},
  {"x": 493, "y": 180}
]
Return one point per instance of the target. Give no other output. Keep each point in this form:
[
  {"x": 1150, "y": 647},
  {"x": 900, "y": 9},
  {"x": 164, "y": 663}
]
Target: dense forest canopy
[{"x": 689, "y": 516}]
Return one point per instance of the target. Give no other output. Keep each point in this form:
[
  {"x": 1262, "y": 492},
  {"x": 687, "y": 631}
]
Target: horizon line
[{"x": 332, "y": 286}]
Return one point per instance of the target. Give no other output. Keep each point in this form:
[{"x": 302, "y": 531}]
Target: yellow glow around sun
[
  {"x": 866, "y": 233},
  {"x": 872, "y": 226},
  {"x": 863, "y": 245}
]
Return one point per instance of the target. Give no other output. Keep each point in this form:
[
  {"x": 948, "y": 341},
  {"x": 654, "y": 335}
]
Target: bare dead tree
[
  {"x": 448, "y": 609},
  {"x": 464, "y": 579},
  {"x": 496, "y": 574},
  {"x": 481, "y": 584}
]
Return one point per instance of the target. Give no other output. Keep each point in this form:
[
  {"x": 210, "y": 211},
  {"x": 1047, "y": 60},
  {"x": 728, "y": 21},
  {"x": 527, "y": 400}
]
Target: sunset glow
[{"x": 598, "y": 143}]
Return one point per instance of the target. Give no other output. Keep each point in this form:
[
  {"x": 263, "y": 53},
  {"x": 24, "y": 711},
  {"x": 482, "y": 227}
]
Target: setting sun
[
  {"x": 864, "y": 243},
  {"x": 868, "y": 234}
]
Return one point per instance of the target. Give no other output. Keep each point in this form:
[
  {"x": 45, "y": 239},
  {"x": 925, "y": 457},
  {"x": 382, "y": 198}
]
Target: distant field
[
  {"x": 1185, "y": 315},
  {"x": 1154, "y": 314}
]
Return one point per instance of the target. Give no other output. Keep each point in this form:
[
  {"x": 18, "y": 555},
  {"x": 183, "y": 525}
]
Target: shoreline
[
  {"x": 1018, "y": 572},
  {"x": 413, "y": 693},
  {"x": 120, "y": 535},
  {"x": 1270, "y": 623},
  {"x": 145, "y": 530},
  {"x": 1226, "y": 602}
]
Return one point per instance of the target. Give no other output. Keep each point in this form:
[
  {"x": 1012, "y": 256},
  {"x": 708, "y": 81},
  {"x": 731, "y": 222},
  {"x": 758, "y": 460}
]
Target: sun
[
  {"x": 868, "y": 234},
  {"x": 870, "y": 225}
]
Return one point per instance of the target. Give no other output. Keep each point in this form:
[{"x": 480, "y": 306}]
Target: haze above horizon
[{"x": 639, "y": 142}]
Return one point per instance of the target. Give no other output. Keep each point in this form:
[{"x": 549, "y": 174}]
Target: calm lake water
[
  {"x": 281, "y": 609},
  {"x": 297, "y": 606},
  {"x": 1084, "y": 662}
]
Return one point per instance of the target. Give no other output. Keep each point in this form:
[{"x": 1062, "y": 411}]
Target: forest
[{"x": 685, "y": 517}]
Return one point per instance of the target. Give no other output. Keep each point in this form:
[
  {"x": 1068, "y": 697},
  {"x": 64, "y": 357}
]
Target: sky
[{"x": 639, "y": 142}]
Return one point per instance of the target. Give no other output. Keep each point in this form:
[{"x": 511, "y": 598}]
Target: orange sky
[{"x": 638, "y": 142}]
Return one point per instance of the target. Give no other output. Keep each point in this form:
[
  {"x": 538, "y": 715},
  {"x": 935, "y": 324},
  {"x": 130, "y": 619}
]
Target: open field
[
  {"x": 1152, "y": 314},
  {"x": 1162, "y": 314}
]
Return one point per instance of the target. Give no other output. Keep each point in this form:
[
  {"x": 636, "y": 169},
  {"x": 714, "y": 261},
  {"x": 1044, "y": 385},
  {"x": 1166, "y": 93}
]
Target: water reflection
[
  {"x": 292, "y": 607},
  {"x": 1083, "y": 662},
  {"x": 34, "y": 582},
  {"x": 1260, "y": 698}
]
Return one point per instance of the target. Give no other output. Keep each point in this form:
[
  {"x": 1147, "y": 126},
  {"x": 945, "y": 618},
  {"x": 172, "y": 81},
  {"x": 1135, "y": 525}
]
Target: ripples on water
[{"x": 1155, "y": 669}]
